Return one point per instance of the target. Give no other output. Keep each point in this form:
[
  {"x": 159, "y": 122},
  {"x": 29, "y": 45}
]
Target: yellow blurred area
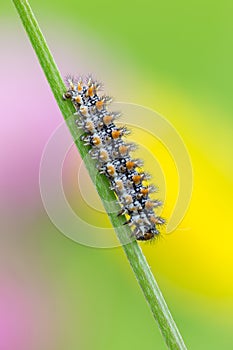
[{"x": 198, "y": 254}]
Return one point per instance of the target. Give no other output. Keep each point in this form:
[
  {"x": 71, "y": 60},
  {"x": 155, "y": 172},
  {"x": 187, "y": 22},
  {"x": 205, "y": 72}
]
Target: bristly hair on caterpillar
[{"x": 113, "y": 157}]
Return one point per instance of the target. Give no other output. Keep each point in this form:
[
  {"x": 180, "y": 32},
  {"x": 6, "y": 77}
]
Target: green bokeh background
[{"x": 175, "y": 57}]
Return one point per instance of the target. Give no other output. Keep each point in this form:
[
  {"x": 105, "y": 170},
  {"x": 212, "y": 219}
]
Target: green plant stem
[{"x": 133, "y": 252}]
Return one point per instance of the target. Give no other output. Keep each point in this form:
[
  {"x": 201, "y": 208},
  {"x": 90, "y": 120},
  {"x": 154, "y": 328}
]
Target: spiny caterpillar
[{"x": 112, "y": 155}]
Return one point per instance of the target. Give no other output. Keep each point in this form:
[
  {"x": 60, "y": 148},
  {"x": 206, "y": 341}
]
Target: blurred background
[{"x": 172, "y": 57}]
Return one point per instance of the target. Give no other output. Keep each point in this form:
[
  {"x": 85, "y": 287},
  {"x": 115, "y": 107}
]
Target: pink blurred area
[
  {"x": 29, "y": 115},
  {"x": 24, "y": 315},
  {"x": 28, "y": 310}
]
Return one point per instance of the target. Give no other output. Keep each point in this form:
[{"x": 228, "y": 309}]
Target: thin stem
[{"x": 133, "y": 252}]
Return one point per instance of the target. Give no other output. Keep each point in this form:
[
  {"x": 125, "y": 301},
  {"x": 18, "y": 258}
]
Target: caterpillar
[{"x": 113, "y": 157}]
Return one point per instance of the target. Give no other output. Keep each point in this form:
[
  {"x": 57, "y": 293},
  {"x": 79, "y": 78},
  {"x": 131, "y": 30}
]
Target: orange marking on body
[
  {"x": 153, "y": 220},
  {"x": 89, "y": 126},
  {"x": 90, "y": 91},
  {"x": 116, "y": 134},
  {"x": 128, "y": 199},
  {"x": 119, "y": 185},
  {"x": 83, "y": 110},
  {"x": 136, "y": 179},
  {"x": 78, "y": 99},
  {"x": 111, "y": 170},
  {"x": 149, "y": 205},
  {"x": 96, "y": 140},
  {"x": 130, "y": 165},
  {"x": 104, "y": 155},
  {"x": 107, "y": 119},
  {"x": 144, "y": 191},
  {"x": 123, "y": 150},
  {"x": 79, "y": 87},
  {"x": 99, "y": 104}
]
